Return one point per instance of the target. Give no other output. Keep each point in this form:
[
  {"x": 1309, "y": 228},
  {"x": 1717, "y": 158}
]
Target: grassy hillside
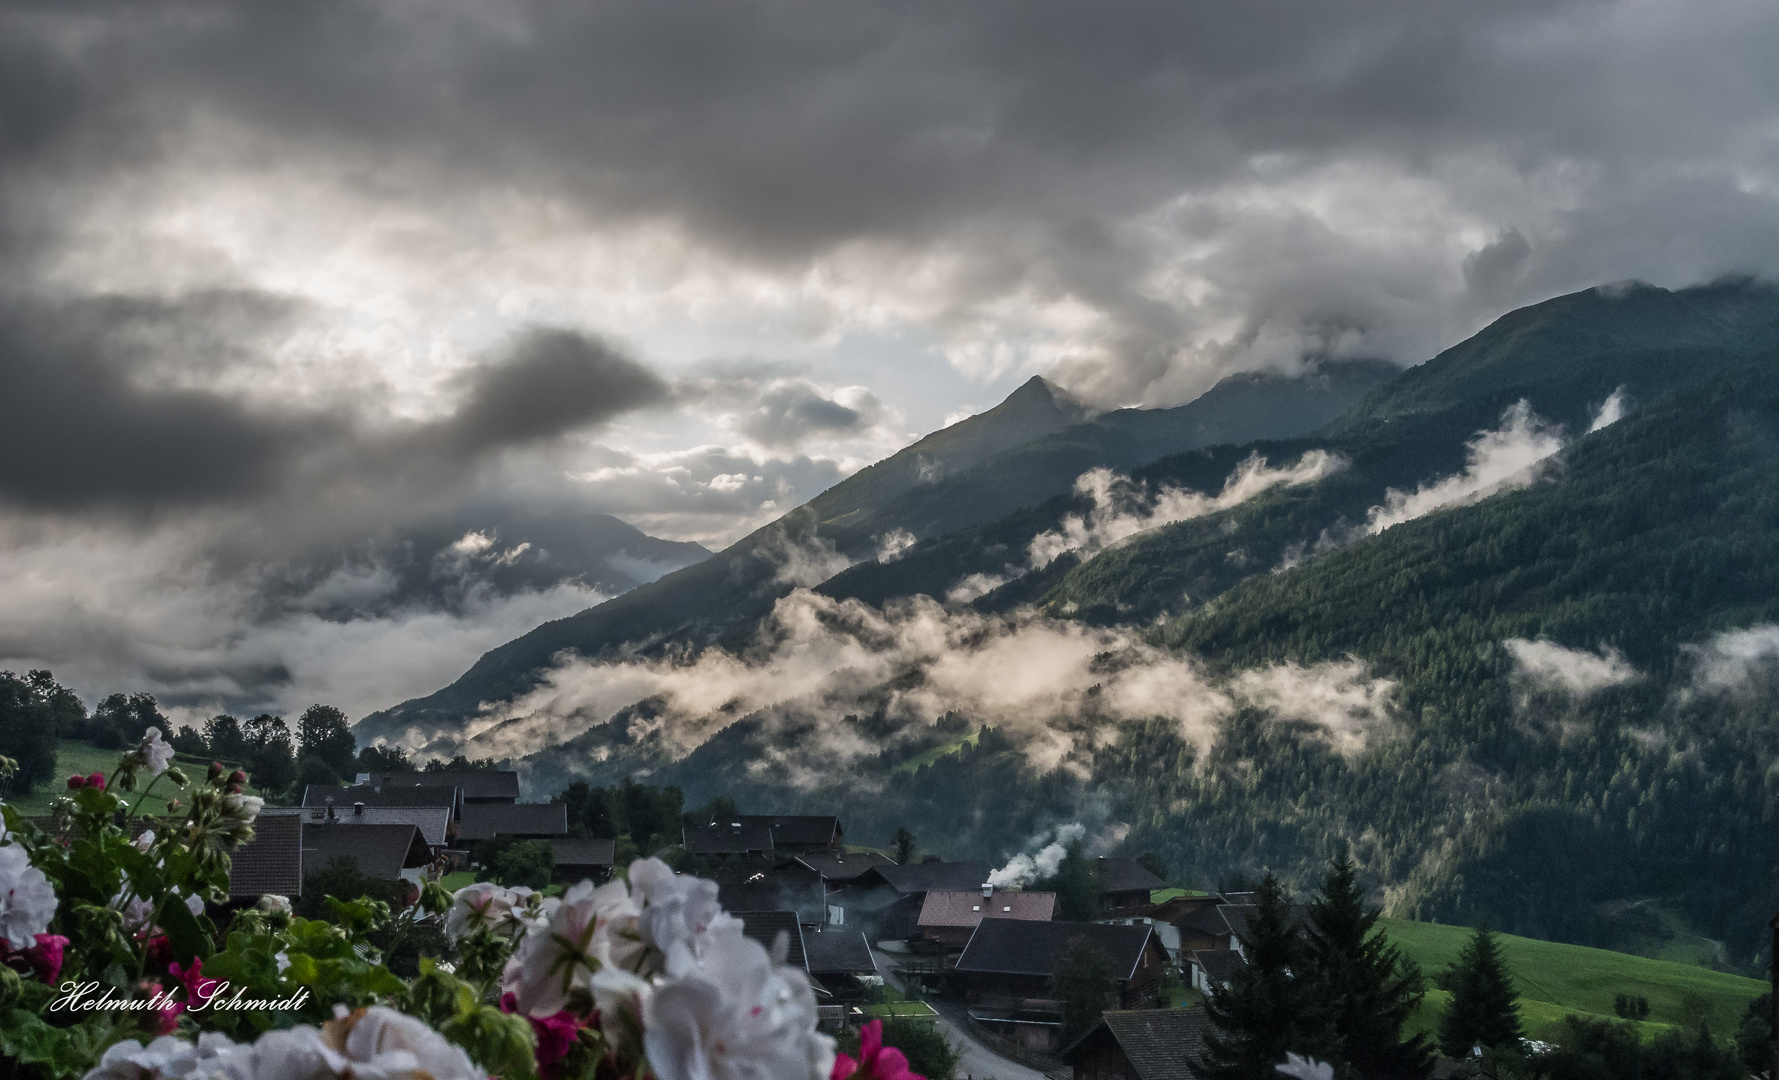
[
  {"x": 74, "y": 756},
  {"x": 1555, "y": 980}
]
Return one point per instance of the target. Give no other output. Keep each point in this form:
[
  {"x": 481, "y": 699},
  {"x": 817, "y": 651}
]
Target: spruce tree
[
  {"x": 1369, "y": 989},
  {"x": 1483, "y": 1012},
  {"x": 1272, "y": 1005}
]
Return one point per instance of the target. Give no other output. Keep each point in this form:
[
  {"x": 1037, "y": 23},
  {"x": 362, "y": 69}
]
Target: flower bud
[
  {"x": 177, "y": 776},
  {"x": 76, "y": 782},
  {"x": 238, "y": 777},
  {"x": 215, "y": 769},
  {"x": 96, "y": 780}
]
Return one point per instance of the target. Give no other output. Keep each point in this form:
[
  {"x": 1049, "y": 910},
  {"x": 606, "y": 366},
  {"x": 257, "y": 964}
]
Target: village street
[{"x": 975, "y": 1061}]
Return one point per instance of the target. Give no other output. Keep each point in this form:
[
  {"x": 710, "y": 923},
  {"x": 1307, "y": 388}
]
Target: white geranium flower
[
  {"x": 476, "y": 906},
  {"x": 678, "y": 913},
  {"x": 242, "y": 808},
  {"x": 169, "y": 1058},
  {"x": 195, "y": 905},
  {"x": 735, "y": 1017},
  {"x": 283, "y": 959},
  {"x": 156, "y": 753},
  {"x": 273, "y": 904},
  {"x": 592, "y": 928},
  {"x": 1305, "y": 1068},
  {"x": 382, "y": 1042},
  {"x": 27, "y": 899},
  {"x": 370, "y": 1044},
  {"x": 146, "y": 840}
]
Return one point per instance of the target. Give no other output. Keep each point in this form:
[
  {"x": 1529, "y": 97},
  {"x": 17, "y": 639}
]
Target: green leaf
[{"x": 184, "y": 932}]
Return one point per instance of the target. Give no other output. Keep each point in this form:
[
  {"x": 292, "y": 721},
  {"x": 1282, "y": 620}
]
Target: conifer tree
[
  {"x": 1483, "y": 1012},
  {"x": 1272, "y": 1005},
  {"x": 1369, "y": 989}
]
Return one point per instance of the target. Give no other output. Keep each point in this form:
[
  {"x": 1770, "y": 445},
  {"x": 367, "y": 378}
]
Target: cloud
[
  {"x": 1121, "y": 509},
  {"x": 1501, "y": 459},
  {"x": 1575, "y": 671},
  {"x": 1612, "y": 410},
  {"x": 1046, "y": 683},
  {"x": 1736, "y": 661}
]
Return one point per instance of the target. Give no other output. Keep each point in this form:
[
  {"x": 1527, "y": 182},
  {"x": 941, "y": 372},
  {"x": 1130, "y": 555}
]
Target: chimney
[
  {"x": 358, "y": 811},
  {"x": 987, "y": 890}
]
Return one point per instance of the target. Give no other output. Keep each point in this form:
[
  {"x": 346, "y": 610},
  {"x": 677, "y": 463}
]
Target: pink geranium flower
[
  {"x": 97, "y": 780},
  {"x": 45, "y": 957},
  {"x": 876, "y": 1061},
  {"x": 197, "y": 988}
]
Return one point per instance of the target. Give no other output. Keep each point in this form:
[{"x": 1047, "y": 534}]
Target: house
[
  {"x": 1005, "y": 971},
  {"x": 477, "y": 785},
  {"x": 1204, "y": 927},
  {"x": 1125, "y": 886},
  {"x": 324, "y": 795},
  {"x": 532, "y": 821},
  {"x": 885, "y": 901},
  {"x": 778, "y": 890},
  {"x": 271, "y": 862},
  {"x": 769, "y": 927},
  {"x": 948, "y": 918},
  {"x": 840, "y": 962},
  {"x": 840, "y": 869},
  {"x": 577, "y": 860},
  {"x": 1210, "y": 968},
  {"x": 801, "y": 834},
  {"x": 1141, "y": 1044},
  {"x": 434, "y": 822},
  {"x": 380, "y": 852},
  {"x": 729, "y": 839}
]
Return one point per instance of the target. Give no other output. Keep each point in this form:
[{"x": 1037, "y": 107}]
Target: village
[{"x": 931, "y": 935}]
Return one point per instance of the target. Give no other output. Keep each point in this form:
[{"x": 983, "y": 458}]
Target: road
[{"x": 975, "y": 1061}]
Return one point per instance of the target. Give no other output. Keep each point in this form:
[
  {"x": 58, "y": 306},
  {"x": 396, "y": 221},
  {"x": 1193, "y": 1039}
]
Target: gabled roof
[
  {"x": 838, "y": 951},
  {"x": 1119, "y": 874},
  {"x": 484, "y": 821},
  {"x": 1206, "y": 919},
  {"x": 432, "y": 821},
  {"x": 796, "y": 828},
  {"x": 591, "y": 852},
  {"x": 380, "y": 851},
  {"x": 1219, "y": 964},
  {"x": 923, "y": 877},
  {"x": 1021, "y": 947},
  {"x": 765, "y": 926},
  {"x": 370, "y": 795},
  {"x": 733, "y": 837},
  {"x": 1237, "y": 916},
  {"x": 843, "y": 868},
  {"x": 947, "y": 908},
  {"x": 475, "y": 783},
  {"x": 806, "y": 899},
  {"x": 271, "y": 862},
  {"x": 1160, "y": 1044}
]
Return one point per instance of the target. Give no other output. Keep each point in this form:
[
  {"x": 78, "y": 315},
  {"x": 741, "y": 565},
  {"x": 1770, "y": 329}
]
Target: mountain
[
  {"x": 1027, "y": 449},
  {"x": 1507, "y": 628}
]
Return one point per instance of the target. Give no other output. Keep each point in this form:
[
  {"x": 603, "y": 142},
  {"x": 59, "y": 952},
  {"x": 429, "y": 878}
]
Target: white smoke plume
[
  {"x": 1611, "y": 412},
  {"x": 1506, "y": 458},
  {"x": 1575, "y": 671},
  {"x": 1047, "y": 683},
  {"x": 1025, "y": 868},
  {"x": 1122, "y": 509}
]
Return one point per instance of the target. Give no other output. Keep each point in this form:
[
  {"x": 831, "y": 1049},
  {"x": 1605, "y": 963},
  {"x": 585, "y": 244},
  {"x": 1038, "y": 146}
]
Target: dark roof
[
  {"x": 733, "y": 837},
  {"x": 944, "y": 907},
  {"x": 807, "y": 900},
  {"x": 1237, "y": 916},
  {"x": 1207, "y": 919},
  {"x": 765, "y": 926},
  {"x": 843, "y": 868},
  {"x": 344, "y": 797},
  {"x": 1024, "y": 947},
  {"x": 838, "y": 951},
  {"x": 585, "y": 852},
  {"x": 380, "y": 851},
  {"x": 1119, "y": 874},
  {"x": 475, "y": 783},
  {"x": 796, "y": 828},
  {"x": 483, "y": 821},
  {"x": 926, "y": 876},
  {"x": 432, "y": 821},
  {"x": 271, "y": 862},
  {"x": 1160, "y": 1044},
  {"x": 1219, "y": 964}
]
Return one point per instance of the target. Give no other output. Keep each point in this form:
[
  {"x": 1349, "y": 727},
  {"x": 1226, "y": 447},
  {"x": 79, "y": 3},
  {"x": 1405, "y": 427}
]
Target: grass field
[
  {"x": 1555, "y": 980},
  {"x": 75, "y": 756},
  {"x": 1162, "y": 896},
  {"x": 919, "y": 1010},
  {"x": 927, "y": 757}
]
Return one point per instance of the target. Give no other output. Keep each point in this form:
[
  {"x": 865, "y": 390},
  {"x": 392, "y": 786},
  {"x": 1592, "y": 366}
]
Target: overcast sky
[{"x": 278, "y": 279}]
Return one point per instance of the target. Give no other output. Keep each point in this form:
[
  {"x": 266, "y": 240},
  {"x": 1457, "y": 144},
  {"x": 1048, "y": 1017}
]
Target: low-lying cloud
[
  {"x": 1501, "y": 459},
  {"x": 1122, "y": 509},
  {"x": 1579, "y": 672},
  {"x": 1047, "y": 683}
]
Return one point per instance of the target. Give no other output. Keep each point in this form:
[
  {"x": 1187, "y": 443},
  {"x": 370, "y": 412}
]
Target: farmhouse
[
  {"x": 1005, "y": 970},
  {"x": 1140, "y": 1044}
]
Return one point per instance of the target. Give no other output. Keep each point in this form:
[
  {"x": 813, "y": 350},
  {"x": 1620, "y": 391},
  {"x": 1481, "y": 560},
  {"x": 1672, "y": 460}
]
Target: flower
[
  {"x": 1305, "y": 1069},
  {"x": 273, "y": 904},
  {"x": 382, "y": 1042},
  {"x": 155, "y": 752},
  {"x": 166, "y": 1018},
  {"x": 76, "y": 782},
  {"x": 677, "y": 913},
  {"x": 735, "y": 1016},
  {"x": 96, "y": 780},
  {"x": 242, "y": 808},
  {"x": 476, "y": 906},
  {"x": 593, "y": 927},
  {"x": 164, "y": 1057},
  {"x": 876, "y": 1061},
  {"x": 27, "y": 899},
  {"x": 146, "y": 840},
  {"x": 555, "y": 1037},
  {"x": 197, "y": 988},
  {"x": 45, "y": 957}
]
